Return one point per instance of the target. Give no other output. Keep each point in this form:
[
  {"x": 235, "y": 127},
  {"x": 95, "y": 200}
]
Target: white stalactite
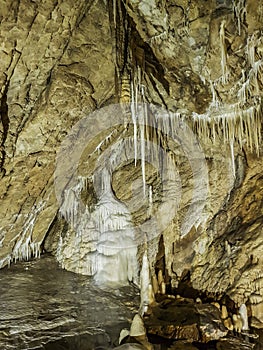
[
  {"x": 24, "y": 247},
  {"x": 223, "y": 52},
  {"x": 239, "y": 11},
  {"x": 234, "y": 122},
  {"x": 233, "y": 157}
]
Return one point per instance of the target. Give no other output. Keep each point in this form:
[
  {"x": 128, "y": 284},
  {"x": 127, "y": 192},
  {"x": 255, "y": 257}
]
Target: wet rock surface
[
  {"x": 44, "y": 307},
  {"x": 177, "y": 320},
  {"x": 62, "y": 60}
]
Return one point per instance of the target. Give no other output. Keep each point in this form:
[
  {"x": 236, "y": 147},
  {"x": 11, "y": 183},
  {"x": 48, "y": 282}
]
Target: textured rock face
[
  {"x": 186, "y": 321},
  {"x": 45, "y": 69},
  {"x": 201, "y": 60}
]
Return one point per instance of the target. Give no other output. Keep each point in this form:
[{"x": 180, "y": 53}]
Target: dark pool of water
[{"x": 45, "y": 307}]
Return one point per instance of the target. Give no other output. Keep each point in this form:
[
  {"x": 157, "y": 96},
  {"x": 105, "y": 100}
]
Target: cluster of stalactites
[
  {"x": 241, "y": 121},
  {"x": 25, "y": 247},
  {"x": 232, "y": 124},
  {"x": 71, "y": 204},
  {"x": 104, "y": 242}
]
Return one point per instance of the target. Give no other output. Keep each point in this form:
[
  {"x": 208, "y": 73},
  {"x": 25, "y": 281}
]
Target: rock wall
[
  {"x": 49, "y": 59},
  {"x": 201, "y": 61}
]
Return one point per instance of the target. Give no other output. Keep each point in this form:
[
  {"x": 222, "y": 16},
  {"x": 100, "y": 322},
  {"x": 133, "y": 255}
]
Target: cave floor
[{"x": 45, "y": 307}]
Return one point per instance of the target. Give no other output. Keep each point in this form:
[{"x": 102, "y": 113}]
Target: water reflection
[{"x": 44, "y": 307}]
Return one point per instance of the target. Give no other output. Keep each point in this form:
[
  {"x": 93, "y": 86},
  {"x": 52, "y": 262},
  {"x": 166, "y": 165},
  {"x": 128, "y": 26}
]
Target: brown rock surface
[
  {"x": 190, "y": 322},
  {"x": 203, "y": 60}
]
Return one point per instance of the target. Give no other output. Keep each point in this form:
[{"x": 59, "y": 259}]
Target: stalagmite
[
  {"x": 224, "y": 313},
  {"x": 160, "y": 277},
  {"x": 155, "y": 284},
  {"x": 146, "y": 290},
  {"x": 137, "y": 327},
  {"x": 163, "y": 288},
  {"x": 237, "y": 323},
  {"x": 138, "y": 333},
  {"x": 244, "y": 317},
  {"x": 216, "y": 304},
  {"x": 228, "y": 324},
  {"x": 123, "y": 334}
]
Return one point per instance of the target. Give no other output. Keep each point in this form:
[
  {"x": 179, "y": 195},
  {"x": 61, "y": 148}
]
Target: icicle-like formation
[
  {"x": 114, "y": 13},
  {"x": 244, "y": 92},
  {"x": 233, "y": 157},
  {"x": 256, "y": 75},
  {"x": 134, "y": 120},
  {"x": 158, "y": 38},
  {"x": 251, "y": 42},
  {"x": 215, "y": 100},
  {"x": 104, "y": 242},
  {"x": 239, "y": 7},
  {"x": 150, "y": 201},
  {"x": 70, "y": 208},
  {"x": 141, "y": 117},
  {"x": 223, "y": 52},
  {"x": 142, "y": 143},
  {"x": 232, "y": 123},
  {"x": 24, "y": 248},
  {"x": 103, "y": 143},
  {"x": 125, "y": 91}
]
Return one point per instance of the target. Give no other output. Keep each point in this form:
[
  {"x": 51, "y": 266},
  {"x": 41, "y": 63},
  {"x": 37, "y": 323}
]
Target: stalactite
[
  {"x": 244, "y": 92},
  {"x": 70, "y": 207},
  {"x": 139, "y": 117},
  {"x": 251, "y": 44},
  {"x": 239, "y": 9},
  {"x": 233, "y": 157},
  {"x": 235, "y": 123},
  {"x": 125, "y": 90},
  {"x": 134, "y": 120},
  {"x": 142, "y": 138},
  {"x": 24, "y": 247},
  {"x": 114, "y": 13},
  {"x": 150, "y": 199},
  {"x": 215, "y": 100},
  {"x": 222, "y": 38},
  {"x": 256, "y": 75}
]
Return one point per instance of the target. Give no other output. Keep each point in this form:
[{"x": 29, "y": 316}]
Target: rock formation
[{"x": 201, "y": 62}]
